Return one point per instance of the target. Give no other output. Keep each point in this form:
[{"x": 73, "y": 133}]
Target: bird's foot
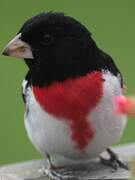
[
  {"x": 59, "y": 173},
  {"x": 114, "y": 161}
]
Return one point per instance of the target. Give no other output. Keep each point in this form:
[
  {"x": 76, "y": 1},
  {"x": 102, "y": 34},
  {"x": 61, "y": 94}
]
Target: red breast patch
[{"x": 72, "y": 101}]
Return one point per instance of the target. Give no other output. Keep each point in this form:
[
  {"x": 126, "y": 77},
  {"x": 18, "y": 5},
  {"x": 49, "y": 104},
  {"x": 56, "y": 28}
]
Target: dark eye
[{"x": 46, "y": 40}]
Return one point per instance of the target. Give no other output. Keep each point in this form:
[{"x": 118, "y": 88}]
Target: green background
[{"x": 112, "y": 24}]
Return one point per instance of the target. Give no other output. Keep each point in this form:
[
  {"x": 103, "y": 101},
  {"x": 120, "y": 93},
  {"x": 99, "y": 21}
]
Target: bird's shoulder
[{"x": 110, "y": 65}]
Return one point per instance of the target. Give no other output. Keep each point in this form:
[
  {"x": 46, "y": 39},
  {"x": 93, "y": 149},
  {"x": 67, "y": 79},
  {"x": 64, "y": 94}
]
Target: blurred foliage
[{"x": 113, "y": 27}]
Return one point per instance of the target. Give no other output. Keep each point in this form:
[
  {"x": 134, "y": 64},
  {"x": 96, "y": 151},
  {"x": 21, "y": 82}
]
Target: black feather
[{"x": 63, "y": 48}]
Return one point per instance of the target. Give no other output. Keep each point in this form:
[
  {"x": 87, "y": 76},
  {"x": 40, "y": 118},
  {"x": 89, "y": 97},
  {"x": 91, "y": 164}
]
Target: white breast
[{"x": 51, "y": 135}]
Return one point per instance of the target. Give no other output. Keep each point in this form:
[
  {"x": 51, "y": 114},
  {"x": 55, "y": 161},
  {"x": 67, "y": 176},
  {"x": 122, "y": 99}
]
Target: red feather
[{"x": 72, "y": 101}]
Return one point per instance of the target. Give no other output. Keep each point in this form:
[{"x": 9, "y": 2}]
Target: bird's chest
[
  {"x": 71, "y": 102},
  {"x": 74, "y": 118}
]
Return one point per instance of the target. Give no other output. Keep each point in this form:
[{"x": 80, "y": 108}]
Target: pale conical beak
[{"x": 18, "y": 48}]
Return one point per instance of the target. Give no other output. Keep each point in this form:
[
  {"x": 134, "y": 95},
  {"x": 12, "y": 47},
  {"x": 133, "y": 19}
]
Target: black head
[{"x": 56, "y": 47}]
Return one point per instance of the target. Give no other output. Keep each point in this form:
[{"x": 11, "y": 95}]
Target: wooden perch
[{"x": 28, "y": 169}]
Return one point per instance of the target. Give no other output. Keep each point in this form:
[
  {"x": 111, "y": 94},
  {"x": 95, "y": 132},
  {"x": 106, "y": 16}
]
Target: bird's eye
[{"x": 47, "y": 40}]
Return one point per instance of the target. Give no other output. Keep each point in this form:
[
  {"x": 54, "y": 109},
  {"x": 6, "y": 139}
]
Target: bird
[{"x": 68, "y": 91}]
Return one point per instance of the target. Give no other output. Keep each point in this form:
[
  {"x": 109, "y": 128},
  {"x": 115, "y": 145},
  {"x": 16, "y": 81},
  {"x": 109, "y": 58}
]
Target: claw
[
  {"x": 114, "y": 161},
  {"x": 57, "y": 173}
]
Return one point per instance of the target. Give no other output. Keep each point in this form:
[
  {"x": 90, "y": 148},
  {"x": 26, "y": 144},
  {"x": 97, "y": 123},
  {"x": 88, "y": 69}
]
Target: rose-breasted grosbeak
[{"x": 69, "y": 89}]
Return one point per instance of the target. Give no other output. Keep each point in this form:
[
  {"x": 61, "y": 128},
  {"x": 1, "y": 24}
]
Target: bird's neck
[
  {"x": 47, "y": 77},
  {"x": 47, "y": 74}
]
